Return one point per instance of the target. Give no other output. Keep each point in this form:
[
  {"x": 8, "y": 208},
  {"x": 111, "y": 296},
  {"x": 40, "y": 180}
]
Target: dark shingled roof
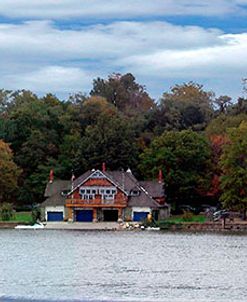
[
  {"x": 53, "y": 192},
  {"x": 126, "y": 181},
  {"x": 154, "y": 188},
  {"x": 81, "y": 178},
  {"x": 143, "y": 200},
  {"x": 56, "y": 186}
]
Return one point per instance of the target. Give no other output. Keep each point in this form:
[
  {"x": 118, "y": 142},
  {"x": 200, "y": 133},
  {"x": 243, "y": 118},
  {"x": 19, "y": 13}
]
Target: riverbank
[
  {"x": 207, "y": 227},
  {"x": 238, "y": 226}
]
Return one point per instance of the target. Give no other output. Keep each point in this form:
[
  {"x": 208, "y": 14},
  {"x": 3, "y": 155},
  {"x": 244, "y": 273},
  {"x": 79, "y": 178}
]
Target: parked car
[{"x": 221, "y": 214}]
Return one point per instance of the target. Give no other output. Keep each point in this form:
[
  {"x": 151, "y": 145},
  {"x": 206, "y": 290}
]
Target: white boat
[
  {"x": 152, "y": 229},
  {"x": 37, "y": 225}
]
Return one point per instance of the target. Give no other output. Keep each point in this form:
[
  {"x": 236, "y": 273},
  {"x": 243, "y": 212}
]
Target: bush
[
  {"x": 6, "y": 211},
  {"x": 187, "y": 216},
  {"x": 36, "y": 214}
]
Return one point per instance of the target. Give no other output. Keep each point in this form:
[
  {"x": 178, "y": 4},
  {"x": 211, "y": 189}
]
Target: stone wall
[{"x": 207, "y": 227}]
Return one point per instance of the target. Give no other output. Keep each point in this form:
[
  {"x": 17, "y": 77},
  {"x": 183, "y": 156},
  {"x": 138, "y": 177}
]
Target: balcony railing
[{"x": 97, "y": 202}]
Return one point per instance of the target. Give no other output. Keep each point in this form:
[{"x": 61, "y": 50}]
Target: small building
[
  {"x": 104, "y": 196},
  {"x": 53, "y": 208}
]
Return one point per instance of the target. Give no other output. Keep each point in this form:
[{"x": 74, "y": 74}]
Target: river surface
[{"x": 122, "y": 266}]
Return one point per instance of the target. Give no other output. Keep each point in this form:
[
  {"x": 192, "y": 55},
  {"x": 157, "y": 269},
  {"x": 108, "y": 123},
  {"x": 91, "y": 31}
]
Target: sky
[{"x": 60, "y": 46}]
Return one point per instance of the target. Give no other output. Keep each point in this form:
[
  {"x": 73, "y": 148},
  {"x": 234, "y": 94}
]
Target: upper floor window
[
  {"x": 108, "y": 197},
  {"x": 88, "y": 190},
  {"x": 105, "y": 192},
  {"x": 88, "y": 197}
]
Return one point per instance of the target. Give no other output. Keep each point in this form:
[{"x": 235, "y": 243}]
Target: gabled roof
[
  {"x": 78, "y": 181},
  {"x": 128, "y": 180},
  {"x": 55, "y": 200},
  {"x": 87, "y": 175},
  {"x": 57, "y": 185},
  {"x": 143, "y": 200},
  {"x": 154, "y": 188},
  {"x": 53, "y": 192},
  {"x": 125, "y": 180}
]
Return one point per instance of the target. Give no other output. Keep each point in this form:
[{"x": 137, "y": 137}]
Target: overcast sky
[{"x": 59, "y": 46}]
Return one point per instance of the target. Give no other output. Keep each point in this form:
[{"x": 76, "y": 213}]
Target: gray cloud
[
  {"x": 39, "y": 56},
  {"x": 50, "y": 9},
  {"x": 41, "y": 40}
]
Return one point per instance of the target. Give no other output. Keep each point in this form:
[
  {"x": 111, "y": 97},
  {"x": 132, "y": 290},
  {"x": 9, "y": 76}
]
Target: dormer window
[
  {"x": 65, "y": 192},
  {"x": 135, "y": 192}
]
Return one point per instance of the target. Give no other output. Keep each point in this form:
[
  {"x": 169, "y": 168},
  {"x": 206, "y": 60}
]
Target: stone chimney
[
  {"x": 51, "y": 176},
  {"x": 103, "y": 167},
  {"x": 160, "y": 176}
]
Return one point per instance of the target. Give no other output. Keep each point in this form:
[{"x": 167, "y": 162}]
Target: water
[{"x": 122, "y": 266}]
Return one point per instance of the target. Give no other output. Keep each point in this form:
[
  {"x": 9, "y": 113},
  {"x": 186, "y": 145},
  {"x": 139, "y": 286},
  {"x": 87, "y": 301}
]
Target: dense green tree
[
  {"x": 189, "y": 105},
  {"x": 35, "y": 131},
  {"x": 123, "y": 92},
  {"x": 70, "y": 157},
  {"x": 164, "y": 117},
  {"x": 184, "y": 158},
  {"x": 221, "y": 124},
  {"x": 9, "y": 173},
  {"x": 93, "y": 107},
  {"x": 234, "y": 167},
  {"x": 111, "y": 140}
]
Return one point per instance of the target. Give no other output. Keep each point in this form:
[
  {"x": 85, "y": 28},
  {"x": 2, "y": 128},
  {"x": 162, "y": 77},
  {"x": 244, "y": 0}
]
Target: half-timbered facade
[{"x": 104, "y": 196}]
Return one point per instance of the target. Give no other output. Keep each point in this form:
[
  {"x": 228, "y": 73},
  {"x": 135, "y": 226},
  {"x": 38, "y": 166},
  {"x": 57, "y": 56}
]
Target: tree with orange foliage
[
  {"x": 217, "y": 143},
  {"x": 9, "y": 173}
]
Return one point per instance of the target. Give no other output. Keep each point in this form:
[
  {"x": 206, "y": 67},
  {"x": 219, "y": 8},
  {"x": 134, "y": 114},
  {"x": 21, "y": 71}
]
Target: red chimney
[
  {"x": 51, "y": 176},
  {"x": 103, "y": 167},
  {"x": 160, "y": 177}
]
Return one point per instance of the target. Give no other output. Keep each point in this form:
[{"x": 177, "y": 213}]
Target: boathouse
[{"x": 100, "y": 195}]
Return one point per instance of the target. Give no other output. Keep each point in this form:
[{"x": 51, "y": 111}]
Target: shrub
[
  {"x": 36, "y": 214},
  {"x": 187, "y": 216},
  {"x": 6, "y": 211}
]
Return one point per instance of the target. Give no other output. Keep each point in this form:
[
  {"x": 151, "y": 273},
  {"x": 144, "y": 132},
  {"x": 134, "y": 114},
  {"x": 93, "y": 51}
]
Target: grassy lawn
[
  {"x": 21, "y": 217},
  {"x": 180, "y": 219}
]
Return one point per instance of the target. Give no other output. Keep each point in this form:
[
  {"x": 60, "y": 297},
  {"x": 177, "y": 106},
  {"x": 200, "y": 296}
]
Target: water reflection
[{"x": 119, "y": 266}]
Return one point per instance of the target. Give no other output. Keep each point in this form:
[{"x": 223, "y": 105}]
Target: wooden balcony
[{"x": 99, "y": 203}]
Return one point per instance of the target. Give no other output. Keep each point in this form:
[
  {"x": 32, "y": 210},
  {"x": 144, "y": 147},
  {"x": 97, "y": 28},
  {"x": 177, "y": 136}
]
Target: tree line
[{"x": 199, "y": 141}]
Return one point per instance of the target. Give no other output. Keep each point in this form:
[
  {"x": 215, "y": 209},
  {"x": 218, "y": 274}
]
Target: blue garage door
[
  {"x": 139, "y": 216},
  {"x": 55, "y": 216},
  {"x": 84, "y": 215}
]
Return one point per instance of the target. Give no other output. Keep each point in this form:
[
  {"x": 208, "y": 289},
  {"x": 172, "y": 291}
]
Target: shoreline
[{"x": 208, "y": 227}]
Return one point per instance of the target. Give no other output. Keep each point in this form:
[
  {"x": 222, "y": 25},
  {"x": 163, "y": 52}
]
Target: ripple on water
[{"x": 112, "y": 266}]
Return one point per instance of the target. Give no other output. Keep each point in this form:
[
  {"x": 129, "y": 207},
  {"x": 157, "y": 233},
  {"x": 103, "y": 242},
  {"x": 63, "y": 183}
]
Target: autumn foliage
[{"x": 9, "y": 173}]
